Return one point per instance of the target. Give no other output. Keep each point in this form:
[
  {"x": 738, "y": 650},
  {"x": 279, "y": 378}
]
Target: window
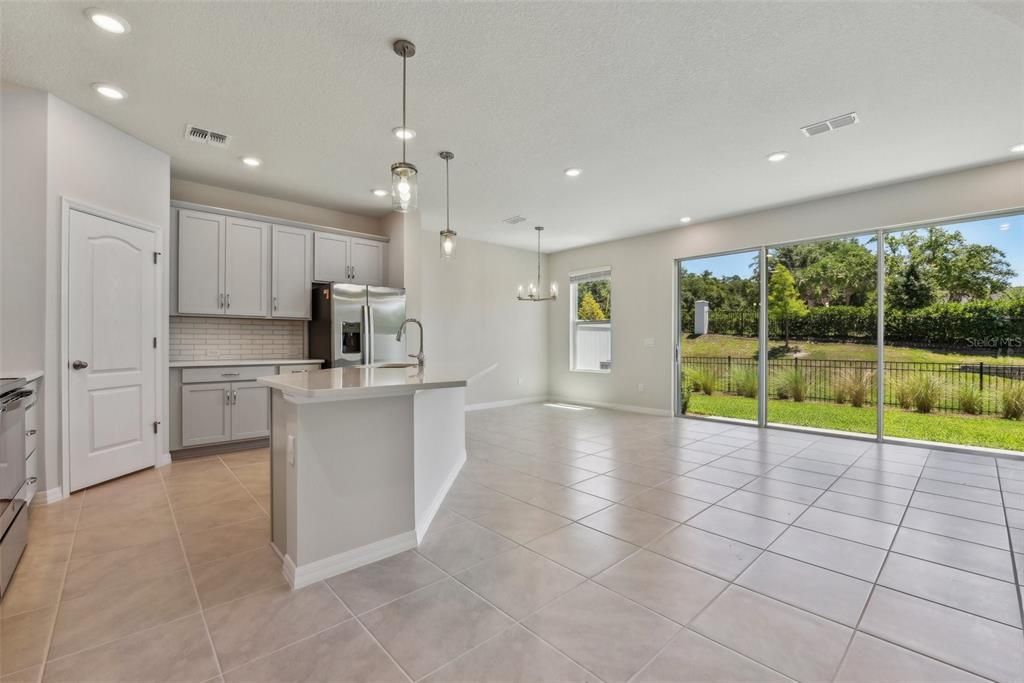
[{"x": 591, "y": 320}]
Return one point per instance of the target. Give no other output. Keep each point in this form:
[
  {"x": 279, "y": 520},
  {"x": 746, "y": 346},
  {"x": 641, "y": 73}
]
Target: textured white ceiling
[{"x": 670, "y": 108}]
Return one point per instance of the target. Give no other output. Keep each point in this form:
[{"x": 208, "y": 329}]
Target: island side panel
[
  {"x": 440, "y": 424},
  {"x": 354, "y": 491},
  {"x": 280, "y": 413}
]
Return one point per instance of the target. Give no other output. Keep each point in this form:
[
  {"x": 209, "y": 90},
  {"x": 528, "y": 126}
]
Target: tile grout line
[
  {"x": 1013, "y": 554},
  {"x": 192, "y": 579},
  {"x": 60, "y": 594}
]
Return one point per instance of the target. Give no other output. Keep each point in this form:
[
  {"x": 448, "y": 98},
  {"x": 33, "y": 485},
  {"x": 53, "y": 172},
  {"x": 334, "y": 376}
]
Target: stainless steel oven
[{"x": 14, "y": 488}]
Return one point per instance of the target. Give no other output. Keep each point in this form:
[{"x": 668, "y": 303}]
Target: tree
[
  {"x": 910, "y": 289},
  {"x": 589, "y": 309},
  {"x": 784, "y": 301}
]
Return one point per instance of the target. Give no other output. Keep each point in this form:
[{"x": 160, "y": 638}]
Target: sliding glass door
[
  {"x": 719, "y": 312},
  {"x": 954, "y": 333},
  {"x": 822, "y": 334},
  {"x": 946, "y": 300}
]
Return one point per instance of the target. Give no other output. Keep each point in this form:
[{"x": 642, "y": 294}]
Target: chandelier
[{"x": 531, "y": 293}]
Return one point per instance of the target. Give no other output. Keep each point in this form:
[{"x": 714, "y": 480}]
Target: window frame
[{"x": 577, "y": 277}]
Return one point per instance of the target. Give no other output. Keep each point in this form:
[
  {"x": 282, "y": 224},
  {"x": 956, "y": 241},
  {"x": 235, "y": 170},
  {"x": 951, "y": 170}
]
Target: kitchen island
[{"x": 361, "y": 458}]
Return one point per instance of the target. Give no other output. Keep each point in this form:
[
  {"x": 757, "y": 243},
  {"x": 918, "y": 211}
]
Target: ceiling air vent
[
  {"x": 206, "y": 137},
  {"x": 513, "y": 220},
  {"x": 832, "y": 124}
]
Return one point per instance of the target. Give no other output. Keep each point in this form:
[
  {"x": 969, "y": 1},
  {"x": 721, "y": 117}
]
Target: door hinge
[
  {"x": 156, "y": 255},
  {"x": 156, "y": 426},
  {"x": 154, "y": 342}
]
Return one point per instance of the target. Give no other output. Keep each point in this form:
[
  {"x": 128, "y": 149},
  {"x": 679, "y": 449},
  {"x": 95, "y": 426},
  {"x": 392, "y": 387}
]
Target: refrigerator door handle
[
  {"x": 365, "y": 335},
  {"x": 371, "y": 339}
]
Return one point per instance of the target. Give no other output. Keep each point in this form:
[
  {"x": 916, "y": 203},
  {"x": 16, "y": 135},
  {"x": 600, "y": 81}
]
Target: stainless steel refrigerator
[{"x": 356, "y": 324}]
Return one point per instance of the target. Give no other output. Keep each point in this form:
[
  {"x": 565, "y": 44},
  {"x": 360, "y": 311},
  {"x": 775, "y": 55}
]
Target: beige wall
[
  {"x": 470, "y": 315},
  {"x": 644, "y": 276},
  {"x": 188, "y": 191}
]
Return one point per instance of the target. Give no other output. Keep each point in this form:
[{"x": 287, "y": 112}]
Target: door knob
[{"x": 79, "y": 365}]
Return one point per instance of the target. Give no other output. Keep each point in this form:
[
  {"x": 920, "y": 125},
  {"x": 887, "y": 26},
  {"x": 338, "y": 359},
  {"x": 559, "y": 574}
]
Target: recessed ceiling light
[
  {"x": 403, "y": 133},
  {"x": 685, "y": 219},
  {"x": 380, "y": 193},
  {"x": 573, "y": 172},
  {"x": 108, "y": 21},
  {"x": 1018, "y": 149},
  {"x": 109, "y": 91},
  {"x": 252, "y": 161},
  {"x": 776, "y": 157},
  {"x": 1004, "y": 226}
]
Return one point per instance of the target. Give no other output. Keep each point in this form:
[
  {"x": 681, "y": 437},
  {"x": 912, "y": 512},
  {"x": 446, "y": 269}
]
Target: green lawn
[
  {"x": 991, "y": 432},
  {"x": 746, "y": 347}
]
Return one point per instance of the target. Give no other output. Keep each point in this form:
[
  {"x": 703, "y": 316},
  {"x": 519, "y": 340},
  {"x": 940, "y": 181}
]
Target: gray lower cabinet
[{"x": 224, "y": 411}]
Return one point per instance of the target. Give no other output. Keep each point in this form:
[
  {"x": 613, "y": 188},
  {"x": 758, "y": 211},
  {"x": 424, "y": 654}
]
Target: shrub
[
  {"x": 745, "y": 382},
  {"x": 791, "y": 384},
  {"x": 854, "y": 386},
  {"x": 1013, "y": 401},
  {"x": 925, "y": 391},
  {"x": 970, "y": 399},
  {"x": 703, "y": 380},
  {"x": 904, "y": 393},
  {"x": 687, "y": 391}
]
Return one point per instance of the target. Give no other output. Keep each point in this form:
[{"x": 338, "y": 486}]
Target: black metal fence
[{"x": 822, "y": 379}]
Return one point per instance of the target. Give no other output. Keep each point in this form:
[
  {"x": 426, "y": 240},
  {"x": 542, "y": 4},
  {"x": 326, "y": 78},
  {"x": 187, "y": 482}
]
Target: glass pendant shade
[
  {"x": 403, "y": 186},
  {"x": 447, "y": 244}
]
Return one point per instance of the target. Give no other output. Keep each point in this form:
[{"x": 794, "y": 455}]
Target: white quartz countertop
[
  {"x": 225, "y": 362},
  {"x": 355, "y": 382}
]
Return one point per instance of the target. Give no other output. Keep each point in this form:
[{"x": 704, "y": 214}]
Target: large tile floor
[{"x": 575, "y": 545}]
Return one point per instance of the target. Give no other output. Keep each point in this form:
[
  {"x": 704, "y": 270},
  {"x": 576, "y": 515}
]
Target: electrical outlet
[
  {"x": 640, "y": 387},
  {"x": 520, "y": 381}
]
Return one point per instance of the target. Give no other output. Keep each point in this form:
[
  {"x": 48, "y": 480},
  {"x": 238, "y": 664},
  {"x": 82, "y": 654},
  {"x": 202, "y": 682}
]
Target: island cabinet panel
[
  {"x": 205, "y": 413},
  {"x": 292, "y": 277}
]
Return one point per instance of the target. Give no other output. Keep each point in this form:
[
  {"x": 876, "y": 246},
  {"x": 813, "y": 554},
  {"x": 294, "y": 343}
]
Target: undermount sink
[{"x": 394, "y": 365}]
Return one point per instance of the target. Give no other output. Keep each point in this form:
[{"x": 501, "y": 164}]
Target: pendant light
[
  {"x": 403, "y": 174},
  {"x": 447, "y": 235},
  {"x": 531, "y": 293}
]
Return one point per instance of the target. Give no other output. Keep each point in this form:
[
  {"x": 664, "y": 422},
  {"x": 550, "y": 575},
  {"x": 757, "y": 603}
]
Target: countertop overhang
[
  {"x": 225, "y": 362},
  {"x": 340, "y": 384}
]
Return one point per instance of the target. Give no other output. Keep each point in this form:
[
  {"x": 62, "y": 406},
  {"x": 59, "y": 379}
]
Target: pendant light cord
[
  {"x": 538, "y": 260},
  {"x": 405, "y": 130},
  {"x": 447, "y": 198}
]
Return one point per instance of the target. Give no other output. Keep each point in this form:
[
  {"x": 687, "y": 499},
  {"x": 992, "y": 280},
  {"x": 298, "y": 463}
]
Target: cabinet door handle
[
  {"x": 227, "y": 300},
  {"x": 234, "y": 398},
  {"x": 220, "y": 300},
  {"x": 30, "y": 432},
  {"x": 230, "y": 374},
  {"x": 227, "y": 397},
  {"x": 275, "y": 303}
]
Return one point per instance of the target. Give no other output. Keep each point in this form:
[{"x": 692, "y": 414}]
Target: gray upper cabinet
[
  {"x": 247, "y": 271},
  {"x": 201, "y": 263},
  {"x": 233, "y": 264},
  {"x": 292, "y": 276},
  {"x": 223, "y": 265},
  {"x": 367, "y": 258},
  {"x": 331, "y": 258}
]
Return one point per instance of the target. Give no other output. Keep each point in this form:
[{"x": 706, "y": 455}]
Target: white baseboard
[
  {"x": 308, "y": 574},
  {"x": 48, "y": 496},
  {"x": 423, "y": 522},
  {"x": 163, "y": 459},
  {"x": 615, "y": 406},
  {"x": 502, "y": 404}
]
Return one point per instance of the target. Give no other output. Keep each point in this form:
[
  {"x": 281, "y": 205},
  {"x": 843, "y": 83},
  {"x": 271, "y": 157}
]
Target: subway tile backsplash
[{"x": 197, "y": 338}]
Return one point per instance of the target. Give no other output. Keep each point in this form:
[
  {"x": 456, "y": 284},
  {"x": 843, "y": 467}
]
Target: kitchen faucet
[{"x": 420, "y": 358}]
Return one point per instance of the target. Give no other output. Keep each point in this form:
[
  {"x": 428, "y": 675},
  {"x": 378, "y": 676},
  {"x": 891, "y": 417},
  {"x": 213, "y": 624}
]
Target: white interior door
[{"x": 112, "y": 310}]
